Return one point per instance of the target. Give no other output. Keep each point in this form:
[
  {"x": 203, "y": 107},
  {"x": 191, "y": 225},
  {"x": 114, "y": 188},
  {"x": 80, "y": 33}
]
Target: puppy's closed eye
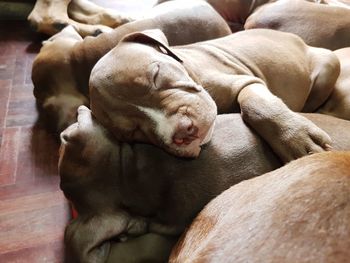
[{"x": 153, "y": 74}]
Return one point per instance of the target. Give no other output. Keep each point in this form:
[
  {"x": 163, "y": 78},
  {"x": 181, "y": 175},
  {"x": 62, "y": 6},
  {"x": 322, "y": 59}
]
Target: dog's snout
[{"x": 186, "y": 132}]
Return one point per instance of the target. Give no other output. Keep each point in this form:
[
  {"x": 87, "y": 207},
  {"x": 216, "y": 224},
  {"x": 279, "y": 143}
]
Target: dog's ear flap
[
  {"x": 75, "y": 132},
  {"x": 152, "y": 37}
]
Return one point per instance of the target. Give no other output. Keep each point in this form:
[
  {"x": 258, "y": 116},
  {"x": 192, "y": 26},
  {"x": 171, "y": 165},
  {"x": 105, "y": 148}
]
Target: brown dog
[
  {"x": 62, "y": 68},
  {"x": 338, "y": 104},
  {"x": 298, "y": 213},
  {"x": 305, "y": 19},
  {"x": 235, "y": 12},
  {"x": 50, "y": 16},
  {"x": 124, "y": 190},
  {"x": 160, "y": 95}
]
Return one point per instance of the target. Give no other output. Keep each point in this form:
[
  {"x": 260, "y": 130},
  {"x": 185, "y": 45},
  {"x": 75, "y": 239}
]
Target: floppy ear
[
  {"x": 78, "y": 132},
  {"x": 152, "y": 37}
]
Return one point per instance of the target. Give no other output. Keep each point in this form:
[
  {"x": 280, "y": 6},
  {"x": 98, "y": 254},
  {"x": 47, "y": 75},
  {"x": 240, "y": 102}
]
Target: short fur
[
  {"x": 263, "y": 74},
  {"x": 298, "y": 213},
  {"x": 125, "y": 190},
  {"x": 63, "y": 66},
  {"x": 304, "y": 19}
]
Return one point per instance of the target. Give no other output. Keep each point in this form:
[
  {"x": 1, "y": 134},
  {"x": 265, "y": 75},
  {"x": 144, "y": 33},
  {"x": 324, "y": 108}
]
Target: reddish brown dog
[
  {"x": 319, "y": 25},
  {"x": 298, "y": 213}
]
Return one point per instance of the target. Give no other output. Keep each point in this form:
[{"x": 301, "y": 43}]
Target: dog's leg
[
  {"x": 89, "y": 30},
  {"x": 51, "y": 16},
  {"x": 289, "y": 134},
  {"x": 89, "y": 13}
]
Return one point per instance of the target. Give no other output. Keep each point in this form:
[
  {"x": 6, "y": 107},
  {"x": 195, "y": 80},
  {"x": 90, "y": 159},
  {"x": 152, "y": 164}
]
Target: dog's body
[
  {"x": 235, "y": 12},
  {"x": 109, "y": 181},
  {"x": 160, "y": 95},
  {"x": 62, "y": 68},
  {"x": 338, "y": 104},
  {"x": 298, "y": 213},
  {"x": 304, "y": 19},
  {"x": 67, "y": 60},
  {"x": 50, "y": 16}
]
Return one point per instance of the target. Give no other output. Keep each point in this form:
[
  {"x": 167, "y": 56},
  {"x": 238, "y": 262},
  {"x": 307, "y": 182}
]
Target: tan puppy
[
  {"x": 170, "y": 96},
  {"x": 298, "y": 213},
  {"x": 305, "y": 19},
  {"x": 124, "y": 190},
  {"x": 338, "y": 104},
  {"x": 50, "y": 16},
  {"x": 61, "y": 70},
  {"x": 235, "y": 12},
  {"x": 341, "y": 3}
]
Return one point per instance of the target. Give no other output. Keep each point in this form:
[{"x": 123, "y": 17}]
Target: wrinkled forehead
[
  {"x": 128, "y": 56},
  {"x": 125, "y": 71}
]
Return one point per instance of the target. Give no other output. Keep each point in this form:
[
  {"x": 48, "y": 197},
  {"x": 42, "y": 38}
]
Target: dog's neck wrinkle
[
  {"x": 145, "y": 172},
  {"x": 133, "y": 157},
  {"x": 125, "y": 161}
]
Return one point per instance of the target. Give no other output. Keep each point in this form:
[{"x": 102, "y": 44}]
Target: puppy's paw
[
  {"x": 112, "y": 18},
  {"x": 89, "y": 30},
  {"x": 296, "y": 137}
]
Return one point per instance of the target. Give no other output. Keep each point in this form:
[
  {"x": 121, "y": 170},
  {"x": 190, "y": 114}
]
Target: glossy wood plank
[{"x": 33, "y": 210}]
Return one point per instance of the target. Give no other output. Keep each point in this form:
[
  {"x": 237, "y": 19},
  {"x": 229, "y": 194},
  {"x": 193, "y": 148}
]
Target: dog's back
[{"x": 298, "y": 213}]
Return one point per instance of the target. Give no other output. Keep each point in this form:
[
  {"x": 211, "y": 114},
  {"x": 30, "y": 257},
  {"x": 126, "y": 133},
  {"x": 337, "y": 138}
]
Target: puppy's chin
[
  {"x": 186, "y": 151},
  {"x": 194, "y": 148}
]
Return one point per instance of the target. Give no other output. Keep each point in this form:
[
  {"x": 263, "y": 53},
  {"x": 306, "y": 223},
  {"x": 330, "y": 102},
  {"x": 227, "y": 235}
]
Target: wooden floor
[{"x": 33, "y": 210}]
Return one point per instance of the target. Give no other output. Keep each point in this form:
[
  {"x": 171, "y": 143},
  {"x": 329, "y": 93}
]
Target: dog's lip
[
  {"x": 184, "y": 141},
  {"x": 204, "y": 139},
  {"x": 191, "y": 150}
]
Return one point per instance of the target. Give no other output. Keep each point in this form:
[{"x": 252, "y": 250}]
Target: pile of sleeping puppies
[{"x": 205, "y": 131}]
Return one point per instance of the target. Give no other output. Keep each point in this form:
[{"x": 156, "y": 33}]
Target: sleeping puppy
[
  {"x": 170, "y": 96},
  {"x": 305, "y": 19},
  {"x": 122, "y": 191},
  {"x": 61, "y": 70},
  {"x": 235, "y": 12}
]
